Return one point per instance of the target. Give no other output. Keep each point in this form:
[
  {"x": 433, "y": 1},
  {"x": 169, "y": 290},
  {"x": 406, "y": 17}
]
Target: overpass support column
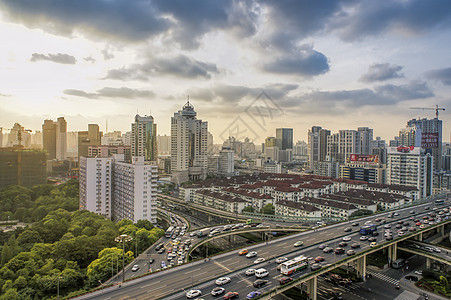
[
  {"x": 392, "y": 252},
  {"x": 361, "y": 267},
  {"x": 419, "y": 237},
  {"x": 311, "y": 288},
  {"x": 428, "y": 263},
  {"x": 441, "y": 230}
]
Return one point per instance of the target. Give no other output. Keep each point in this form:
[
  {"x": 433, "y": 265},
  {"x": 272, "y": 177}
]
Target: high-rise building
[
  {"x": 164, "y": 144},
  {"x": 431, "y": 138},
  {"x": 365, "y": 168},
  {"x": 317, "y": 145},
  {"x": 19, "y": 136},
  {"x": 226, "y": 162},
  {"x": 380, "y": 149},
  {"x": 188, "y": 145},
  {"x": 284, "y": 138},
  {"x": 72, "y": 144},
  {"x": 92, "y": 137},
  {"x": 300, "y": 149},
  {"x": 1, "y": 137},
  {"x": 54, "y": 138},
  {"x": 272, "y": 153},
  {"x": 22, "y": 167},
  {"x": 366, "y": 140},
  {"x": 410, "y": 166},
  {"x": 116, "y": 189},
  {"x": 144, "y": 138},
  {"x": 270, "y": 141}
]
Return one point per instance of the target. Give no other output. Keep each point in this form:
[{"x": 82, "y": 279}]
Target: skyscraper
[
  {"x": 431, "y": 138},
  {"x": 188, "y": 145},
  {"x": 284, "y": 138},
  {"x": 317, "y": 145},
  {"x": 54, "y": 138},
  {"x": 144, "y": 138},
  {"x": 61, "y": 138},
  {"x": 366, "y": 140},
  {"x": 92, "y": 137}
]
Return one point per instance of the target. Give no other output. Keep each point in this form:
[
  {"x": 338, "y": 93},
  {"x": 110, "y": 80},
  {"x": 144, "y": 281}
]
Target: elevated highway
[{"x": 173, "y": 283}]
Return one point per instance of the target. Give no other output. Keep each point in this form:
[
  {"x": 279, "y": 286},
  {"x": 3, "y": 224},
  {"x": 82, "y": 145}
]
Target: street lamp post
[
  {"x": 123, "y": 238},
  {"x": 58, "y": 287}
]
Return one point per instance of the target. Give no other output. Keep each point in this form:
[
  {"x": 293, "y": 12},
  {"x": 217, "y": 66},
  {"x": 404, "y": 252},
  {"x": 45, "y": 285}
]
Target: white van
[
  {"x": 399, "y": 263},
  {"x": 260, "y": 273}
]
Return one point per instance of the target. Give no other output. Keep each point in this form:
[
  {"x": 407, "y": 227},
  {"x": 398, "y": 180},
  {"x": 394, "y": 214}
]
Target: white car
[
  {"x": 347, "y": 238},
  {"x": 222, "y": 280},
  {"x": 135, "y": 268},
  {"x": 217, "y": 291},
  {"x": 281, "y": 260},
  {"x": 251, "y": 254},
  {"x": 419, "y": 272},
  {"x": 193, "y": 293},
  {"x": 250, "y": 272},
  {"x": 259, "y": 260}
]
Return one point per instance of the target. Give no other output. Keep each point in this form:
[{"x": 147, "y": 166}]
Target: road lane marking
[{"x": 222, "y": 266}]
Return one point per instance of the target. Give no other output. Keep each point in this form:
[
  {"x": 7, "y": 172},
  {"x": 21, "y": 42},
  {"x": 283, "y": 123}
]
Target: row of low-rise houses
[{"x": 297, "y": 195}]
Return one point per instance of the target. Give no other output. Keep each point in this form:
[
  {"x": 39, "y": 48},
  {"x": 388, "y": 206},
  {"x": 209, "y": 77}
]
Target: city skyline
[{"x": 339, "y": 65}]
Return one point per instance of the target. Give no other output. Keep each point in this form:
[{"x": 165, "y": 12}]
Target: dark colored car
[
  {"x": 319, "y": 259},
  {"x": 339, "y": 251},
  {"x": 284, "y": 280},
  {"x": 372, "y": 239},
  {"x": 375, "y": 233},
  {"x": 342, "y": 244},
  {"x": 259, "y": 283},
  {"x": 411, "y": 278},
  {"x": 151, "y": 260},
  {"x": 355, "y": 245},
  {"x": 355, "y": 224}
]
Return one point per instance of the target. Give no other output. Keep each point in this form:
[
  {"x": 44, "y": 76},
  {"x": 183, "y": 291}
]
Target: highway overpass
[{"x": 173, "y": 283}]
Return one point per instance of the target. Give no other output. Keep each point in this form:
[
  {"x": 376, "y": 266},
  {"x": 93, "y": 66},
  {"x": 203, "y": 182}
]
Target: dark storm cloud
[
  {"x": 381, "y": 72},
  {"x": 375, "y": 17},
  {"x": 59, "y": 58},
  {"x": 124, "y": 19},
  {"x": 442, "y": 75},
  {"x": 109, "y": 92},
  {"x": 306, "y": 62},
  {"x": 180, "y": 66}
]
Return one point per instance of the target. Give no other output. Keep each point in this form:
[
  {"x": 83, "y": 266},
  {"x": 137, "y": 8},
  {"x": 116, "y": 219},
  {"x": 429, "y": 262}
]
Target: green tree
[
  {"x": 248, "y": 209},
  {"x": 100, "y": 269},
  {"x": 7, "y": 254},
  {"x": 361, "y": 212},
  {"x": 20, "y": 283},
  {"x": 268, "y": 209},
  {"x": 144, "y": 224}
]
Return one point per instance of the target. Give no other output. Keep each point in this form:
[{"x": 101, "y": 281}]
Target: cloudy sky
[{"x": 248, "y": 66}]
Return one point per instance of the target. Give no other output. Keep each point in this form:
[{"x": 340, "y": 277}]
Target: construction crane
[{"x": 430, "y": 108}]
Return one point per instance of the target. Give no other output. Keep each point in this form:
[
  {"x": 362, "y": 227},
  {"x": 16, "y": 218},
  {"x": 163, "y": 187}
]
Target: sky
[{"x": 248, "y": 67}]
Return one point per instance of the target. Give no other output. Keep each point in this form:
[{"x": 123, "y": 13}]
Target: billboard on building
[
  {"x": 404, "y": 149},
  {"x": 429, "y": 140},
  {"x": 364, "y": 158}
]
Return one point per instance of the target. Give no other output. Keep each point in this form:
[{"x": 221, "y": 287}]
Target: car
[
  {"x": 193, "y": 293},
  {"x": 342, "y": 244},
  {"x": 339, "y": 250},
  {"x": 217, "y": 291},
  {"x": 372, "y": 239},
  {"x": 398, "y": 226},
  {"x": 230, "y": 295},
  {"x": 350, "y": 252},
  {"x": 280, "y": 260},
  {"x": 222, "y": 280},
  {"x": 411, "y": 212},
  {"x": 427, "y": 208},
  {"x": 418, "y": 223},
  {"x": 328, "y": 249},
  {"x": 159, "y": 246},
  {"x": 151, "y": 261},
  {"x": 298, "y": 244},
  {"x": 250, "y": 272},
  {"x": 419, "y": 272},
  {"x": 347, "y": 238},
  {"x": 412, "y": 229},
  {"x": 355, "y": 224},
  {"x": 315, "y": 267},
  {"x": 436, "y": 249},
  {"x": 375, "y": 233},
  {"x": 161, "y": 251},
  {"x": 355, "y": 245},
  {"x": 180, "y": 261},
  {"x": 251, "y": 254},
  {"x": 373, "y": 244},
  {"x": 389, "y": 237},
  {"x": 253, "y": 295},
  {"x": 243, "y": 252},
  {"x": 363, "y": 238},
  {"x": 319, "y": 259},
  {"x": 259, "y": 283},
  {"x": 322, "y": 246},
  {"x": 378, "y": 220},
  {"x": 259, "y": 260},
  {"x": 284, "y": 280},
  {"x": 347, "y": 229},
  {"x": 135, "y": 268},
  {"x": 400, "y": 233},
  {"x": 387, "y": 226},
  {"x": 411, "y": 278},
  {"x": 396, "y": 214}
]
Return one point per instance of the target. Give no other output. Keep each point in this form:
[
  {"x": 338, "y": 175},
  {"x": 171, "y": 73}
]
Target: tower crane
[{"x": 430, "y": 108}]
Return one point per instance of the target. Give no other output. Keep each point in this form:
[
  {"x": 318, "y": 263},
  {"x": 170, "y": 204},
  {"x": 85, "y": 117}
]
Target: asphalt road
[{"x": 173, "y": 283}]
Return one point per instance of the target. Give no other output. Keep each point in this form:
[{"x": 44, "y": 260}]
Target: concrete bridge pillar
[
  {"x": 392, "y": 252},
  {"x": 361, "y": 267},
  {"x": 428, "y": 263},
  {"x": 441, "y": 230},
  {"x": 312, "y": 288}
]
